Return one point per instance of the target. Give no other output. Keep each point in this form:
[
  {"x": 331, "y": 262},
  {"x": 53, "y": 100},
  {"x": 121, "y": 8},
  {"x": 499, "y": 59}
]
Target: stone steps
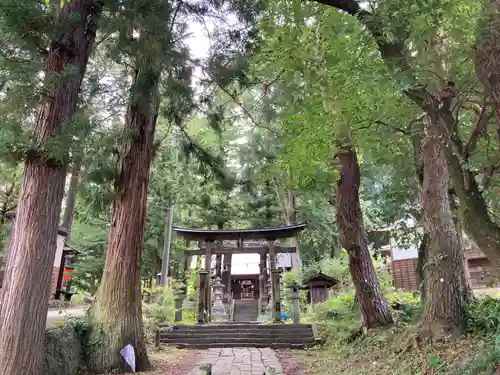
[
  {"x": 245, "y": 310},
  {"x": 238, "y": 335},
  {"x": 242, "y": 345}
]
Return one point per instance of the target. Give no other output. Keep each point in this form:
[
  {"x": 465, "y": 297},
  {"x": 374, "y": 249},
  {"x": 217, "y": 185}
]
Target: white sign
[{"x": 129, "y": 354}]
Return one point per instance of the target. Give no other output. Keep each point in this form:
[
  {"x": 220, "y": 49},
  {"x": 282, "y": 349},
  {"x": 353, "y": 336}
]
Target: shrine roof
[
  {"x": 321, "y": 277},
  {"x": 272, "y": 233}
]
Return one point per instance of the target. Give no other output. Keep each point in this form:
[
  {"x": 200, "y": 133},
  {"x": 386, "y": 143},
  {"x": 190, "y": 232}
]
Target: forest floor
[
  {"x": 396, "y": 352},
  {"x": 240, "y": 361}
]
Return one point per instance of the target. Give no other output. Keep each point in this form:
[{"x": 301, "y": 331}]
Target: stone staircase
[
  {"x": 245, "y": 310},
  {"x": 238, "y": 335}
]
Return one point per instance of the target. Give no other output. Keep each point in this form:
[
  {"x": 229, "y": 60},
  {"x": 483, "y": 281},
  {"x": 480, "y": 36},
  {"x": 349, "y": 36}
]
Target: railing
[{"x": 247, "y": 295}]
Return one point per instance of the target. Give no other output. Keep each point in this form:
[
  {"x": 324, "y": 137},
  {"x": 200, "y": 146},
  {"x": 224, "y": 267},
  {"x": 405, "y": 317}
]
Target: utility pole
[{"x": 166, "y": 244}]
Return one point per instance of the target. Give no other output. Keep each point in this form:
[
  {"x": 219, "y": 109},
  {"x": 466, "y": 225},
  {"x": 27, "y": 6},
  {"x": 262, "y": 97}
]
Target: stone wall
[{"x": 63, "y": 351}]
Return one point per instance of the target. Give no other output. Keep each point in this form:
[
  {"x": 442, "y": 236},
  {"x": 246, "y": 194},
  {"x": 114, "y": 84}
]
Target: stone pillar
[
  {"x": 184, "y": 269},
  {"x": 275, "y": 284},
  {"x": 227, "y": 281},
  {"x": 262, "y": 283},
  {"x": 218, "y": 266},
  {"x": 269, "y": 295},
  {"x": 208, "y": 289},
  {"x": 295, "y": 299},
  {"x": 178, "y": 298},
  {"x": 208, "y": 255},
  {"x": 203, "y": 285}
]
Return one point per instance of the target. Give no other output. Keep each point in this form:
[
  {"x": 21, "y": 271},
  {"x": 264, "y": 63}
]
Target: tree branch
[
  {"x": 480, "y": 128},
  {"x": 393, "y": 51}
]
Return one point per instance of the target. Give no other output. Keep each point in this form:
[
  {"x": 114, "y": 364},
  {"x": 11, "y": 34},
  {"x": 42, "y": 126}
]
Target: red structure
[{"x": 63, "y": 263}]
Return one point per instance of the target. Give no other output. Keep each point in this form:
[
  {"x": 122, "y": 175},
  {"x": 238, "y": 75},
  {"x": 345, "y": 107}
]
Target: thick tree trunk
[
  {"x": 287, "y": 200},
  {"x": 28, "y": 274},
  {"x": 117, "y": 313},
  {"x": 445, "y": 282},
  {"x": 422, "y": 260},
  {"x": 473, "y": 211},
  {"x": 374, "y": 308},
  {"x": 69, "y": 209}
]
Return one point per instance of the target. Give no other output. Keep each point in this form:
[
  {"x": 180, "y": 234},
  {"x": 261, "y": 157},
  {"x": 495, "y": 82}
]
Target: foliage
[
  {"x": 91, "y": 240},
  {"x": 333, "y": 267},
  {"x": 397, "y": 350},
  {"x": 161, "y": 309},
  {"x": 484, "y": 315}
]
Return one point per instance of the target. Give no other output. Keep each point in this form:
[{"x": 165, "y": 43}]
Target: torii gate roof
[{"x": 272, "y": 233}]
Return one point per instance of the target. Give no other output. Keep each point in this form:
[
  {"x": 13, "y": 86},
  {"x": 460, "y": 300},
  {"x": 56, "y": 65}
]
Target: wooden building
[
  {"x": 318, "y": 287},
  {"x": 402, "y": 263},
  {"x": 62, "y": 267},
  {"x": 480, "y": 270}
]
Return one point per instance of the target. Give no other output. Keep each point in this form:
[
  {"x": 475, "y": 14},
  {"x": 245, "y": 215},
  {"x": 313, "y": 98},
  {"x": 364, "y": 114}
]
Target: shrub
[
  {"x": 406, "y": 306},
  {"x": 336, "y": 318},
  {"x": 161, "y": 308},
  {"x": 484, "y": 315}
]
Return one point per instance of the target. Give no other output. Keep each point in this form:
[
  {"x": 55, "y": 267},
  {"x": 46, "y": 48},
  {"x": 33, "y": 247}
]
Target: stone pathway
[{"x": 239, "y": 361}]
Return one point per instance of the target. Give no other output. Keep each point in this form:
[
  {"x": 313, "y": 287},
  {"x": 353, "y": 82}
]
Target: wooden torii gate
[{"x": 206, "y": 238}]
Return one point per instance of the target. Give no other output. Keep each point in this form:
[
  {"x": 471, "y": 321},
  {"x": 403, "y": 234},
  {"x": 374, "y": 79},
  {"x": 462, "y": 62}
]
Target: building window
[{"x": 476, "y": 268}]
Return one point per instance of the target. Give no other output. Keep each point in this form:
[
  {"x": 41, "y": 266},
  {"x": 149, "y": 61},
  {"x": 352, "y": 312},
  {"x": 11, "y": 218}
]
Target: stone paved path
[{"x": 240, "y": 361}]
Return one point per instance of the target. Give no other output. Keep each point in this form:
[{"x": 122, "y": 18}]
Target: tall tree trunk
[
  {"x": 473, "y": 207},
  {"x": 422, "y": 260},
  {"x": 445, "y": 282},
  {"x": 166, "y": 244},
  {"x": 473, "y": 211},
  {"x": 69, "y": 209},
  {"x": 286, "y": 198},
  {"x": 28, "y": 274},
  {"x": 117, "y": 313},
  {"x": 374, "y": 307}
]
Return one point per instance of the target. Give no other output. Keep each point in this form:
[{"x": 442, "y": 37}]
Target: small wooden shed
[{"x": 318, "y": 287}]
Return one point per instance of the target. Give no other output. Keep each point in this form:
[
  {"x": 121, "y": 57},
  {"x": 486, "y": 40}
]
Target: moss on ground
[
  {"x": 63, "y": 351},
  {"x": 398, "y": 350},
  {"x": 163, "y": 360}
]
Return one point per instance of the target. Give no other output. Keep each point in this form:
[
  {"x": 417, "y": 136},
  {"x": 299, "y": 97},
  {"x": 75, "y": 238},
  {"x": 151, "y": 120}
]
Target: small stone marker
[
  {"x": 269, "y": 371},
  {"x": 206, "y": 369}
]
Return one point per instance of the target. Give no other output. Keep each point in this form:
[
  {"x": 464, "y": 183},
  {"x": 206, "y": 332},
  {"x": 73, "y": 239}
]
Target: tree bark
[
  {"x": 445, "y": 283},
  {"x": 117, "y": 312},
  {"x": 473, "y": 207},
  {"x": 374, "y": 307},
  {"x": 287, "y": 199},
  {"x": 69, "y": 209},
  {"x": 166, "y": 245},
  {"x": 422, "y": 260},
  {"x": 473, "y": 211},
  {"x": 28, "y": 273}
]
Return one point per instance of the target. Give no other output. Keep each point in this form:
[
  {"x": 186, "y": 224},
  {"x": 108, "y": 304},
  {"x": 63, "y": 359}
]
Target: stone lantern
[
  {"x": 179, "y": 295},
  {"x": 294, "y": 297},
  {"x": 218, "y": 309}
]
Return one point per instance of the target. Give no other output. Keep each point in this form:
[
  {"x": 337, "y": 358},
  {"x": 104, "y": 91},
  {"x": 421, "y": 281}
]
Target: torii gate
[{"x": 206, "y": 238}]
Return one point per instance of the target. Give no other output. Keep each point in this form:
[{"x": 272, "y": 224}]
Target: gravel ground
[
  {"x": 183, "y": 366},
  {"x": 290, "y": 365}
]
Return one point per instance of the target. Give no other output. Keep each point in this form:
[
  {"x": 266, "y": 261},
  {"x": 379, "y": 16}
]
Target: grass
[
  {"x": 162, "y": 360},
  {"x": 396, "y": 351}
]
